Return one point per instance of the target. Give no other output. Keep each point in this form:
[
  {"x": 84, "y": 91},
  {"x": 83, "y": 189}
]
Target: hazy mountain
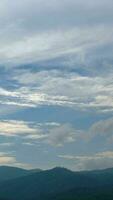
[
  {"x": 58, "y": 184},
  {"x": 7, "y": 172}
]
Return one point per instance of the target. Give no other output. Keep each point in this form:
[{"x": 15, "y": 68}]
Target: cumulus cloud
[
  {"x": 62, "y": 134},
  {"x": 56, "y": 135},
  {"x": 101, "y": 129}
]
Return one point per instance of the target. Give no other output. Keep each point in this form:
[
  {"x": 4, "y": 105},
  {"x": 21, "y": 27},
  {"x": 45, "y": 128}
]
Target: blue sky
[{"x": 56, "y": 83}]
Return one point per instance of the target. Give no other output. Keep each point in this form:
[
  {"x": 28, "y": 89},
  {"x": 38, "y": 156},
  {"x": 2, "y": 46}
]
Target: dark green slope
[
  {"x": 7, "y": 173},
  {"x": 43, "y": 184},
  {"x": 85, "y": 194},
  {"x": 48, "y": 183},
  {"x": 60, "y": 184}
]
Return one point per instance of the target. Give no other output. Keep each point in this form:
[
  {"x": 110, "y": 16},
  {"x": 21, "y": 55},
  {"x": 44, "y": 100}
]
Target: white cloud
[
  {"x": 12, "y": 128},
  {"x": 67, "y": 89},
  {"x": 10, "y": 160},
  {"x": 50, "y": 133},
  {"x": 81, "y": 43},
  {"x": 40, "y": 30},
  {"x": 99, "y": 160},
  {"x": 5, "y": 160},
  {"x": 6, "y": 144},
  {"x": 57, "y": 35},
  {"x": 62, "y": 134},
  {"x": 43, "y": 46},
  {"x": 103, "y": 128},
  {"x": 55, "y": 134}
]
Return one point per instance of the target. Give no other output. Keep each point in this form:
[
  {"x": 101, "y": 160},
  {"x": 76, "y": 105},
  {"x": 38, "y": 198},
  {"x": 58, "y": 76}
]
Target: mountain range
[{"x": 57, "y": 183}]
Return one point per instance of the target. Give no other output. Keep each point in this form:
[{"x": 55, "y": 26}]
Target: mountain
[
  {"x": 7, "y": 173},
  {"x": 58, "y": 184},
  {"x": 35, "y": 170}
]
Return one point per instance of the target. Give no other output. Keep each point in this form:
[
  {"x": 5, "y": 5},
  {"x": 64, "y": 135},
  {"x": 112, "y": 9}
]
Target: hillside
[
  {"x": 59, "y": 184},
  {"x": 7, "y": 173}
]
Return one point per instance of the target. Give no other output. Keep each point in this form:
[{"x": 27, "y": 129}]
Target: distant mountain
[
  {"x": 35, "y": 170},
  {"x": 7, "y": 173},
  {"x": 59, "y": 184}
]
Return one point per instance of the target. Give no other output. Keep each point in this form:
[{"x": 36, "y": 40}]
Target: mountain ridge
[{"x": 58, "y": 183}]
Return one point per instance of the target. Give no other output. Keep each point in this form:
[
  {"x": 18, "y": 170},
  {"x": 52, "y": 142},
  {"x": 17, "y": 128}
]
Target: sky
[{"x": 56, "y": 84}]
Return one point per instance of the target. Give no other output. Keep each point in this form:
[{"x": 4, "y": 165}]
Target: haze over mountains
[{"x": 57, "y": 183}]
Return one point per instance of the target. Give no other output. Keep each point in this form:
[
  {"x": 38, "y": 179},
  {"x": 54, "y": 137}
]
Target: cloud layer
[{"x": 56, "y": 83}]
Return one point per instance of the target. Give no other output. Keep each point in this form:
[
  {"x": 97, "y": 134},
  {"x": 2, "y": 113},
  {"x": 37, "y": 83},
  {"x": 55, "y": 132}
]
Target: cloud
[
  {"x": 78, "y": 42},
  {"x": 10, "y": 160},
  {"x": 103, "y": 128},
  {"x": 54, "y": 134},
  {"x": 6, "y": 144},
  {"x": 36, "y": 15},
  {"x": 73, "y": 43},
  {"x": 62, "y": 134},
  {"x": 99, "y": 160},
  {"x": 56, "y": 54},
  {"x": 39, "y": 30},
  {"x": 100, "y": 130},
  {"x": 58, "y": 135},
  {"x": 5, "y": 160},
  {"x": 12, "y": 128},
  {"x": 50, "y": 133},
  {"x": 68, "y": 89}
]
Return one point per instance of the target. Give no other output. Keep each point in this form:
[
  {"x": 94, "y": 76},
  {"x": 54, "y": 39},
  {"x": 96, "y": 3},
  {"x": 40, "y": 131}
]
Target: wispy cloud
[
  {"x": 10, "y": 160},
  {"x": 54, "y": 88},
  {"x": 12, "y": 128},
  {"x": 56, "y": 56},
  {"x": 78, "y": 42},
  {"x": 99, "y": 160},
  {"x": 50, "y": 133}
]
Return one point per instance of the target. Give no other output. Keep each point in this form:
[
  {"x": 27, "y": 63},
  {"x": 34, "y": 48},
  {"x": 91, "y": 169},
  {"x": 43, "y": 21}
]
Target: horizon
[
  {"x": 56, "y": 84},
  {"x": 53, "y": 168}
]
